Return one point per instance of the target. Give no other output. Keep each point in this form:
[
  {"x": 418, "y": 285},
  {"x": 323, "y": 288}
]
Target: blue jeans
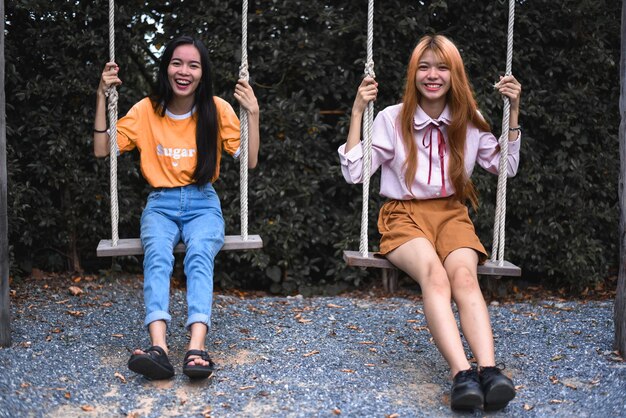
[{"x": 191, "y": 214}]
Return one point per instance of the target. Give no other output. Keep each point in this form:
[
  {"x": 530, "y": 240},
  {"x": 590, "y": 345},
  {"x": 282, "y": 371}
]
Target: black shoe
[
  {"x": 498, "y": 388},
  {"x": 196, "y": 371},
  {"x": 466, "y": 393},
  {"x": 153, "y": 364}
]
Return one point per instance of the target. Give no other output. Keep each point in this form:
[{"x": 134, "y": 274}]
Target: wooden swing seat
[
  {"x": 132, "y": 246},
  {"x": 355, "y": 259}
]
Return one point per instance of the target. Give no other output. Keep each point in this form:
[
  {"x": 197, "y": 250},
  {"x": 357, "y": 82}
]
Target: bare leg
[
  {"x": 461, "y": 267},
  {"x": 198, "y": 336},
  {"x": 419, "y": 260},
  {"x": 157, "y": 330}
]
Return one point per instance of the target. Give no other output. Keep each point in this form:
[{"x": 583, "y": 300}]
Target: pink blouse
[{"x": 431, "y": 179}]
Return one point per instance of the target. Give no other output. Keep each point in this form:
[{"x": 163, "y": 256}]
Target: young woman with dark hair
[
  {"x": 180, "y": 132},
  {"x": 427, "y": 147}
]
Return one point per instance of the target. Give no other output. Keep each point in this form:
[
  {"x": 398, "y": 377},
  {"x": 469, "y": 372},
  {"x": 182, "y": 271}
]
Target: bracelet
[
  {"x": 518, "y": 128},
  {"x": 99, "y": 131}
]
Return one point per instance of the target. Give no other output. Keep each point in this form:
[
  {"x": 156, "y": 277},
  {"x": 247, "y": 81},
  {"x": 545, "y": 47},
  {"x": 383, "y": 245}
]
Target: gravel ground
[{"x": 294, "y": 357}]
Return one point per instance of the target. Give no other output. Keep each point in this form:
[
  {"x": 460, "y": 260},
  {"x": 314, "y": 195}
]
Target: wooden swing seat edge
[
  {"x": 132, "y": 246},
  {"x": 373, "y": 260}
]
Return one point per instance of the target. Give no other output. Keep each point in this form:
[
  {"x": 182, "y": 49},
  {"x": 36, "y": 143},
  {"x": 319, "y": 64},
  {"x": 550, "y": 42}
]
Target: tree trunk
[
  {"x": 620, "y": 300},
  {"x": 5, "y": 327}
]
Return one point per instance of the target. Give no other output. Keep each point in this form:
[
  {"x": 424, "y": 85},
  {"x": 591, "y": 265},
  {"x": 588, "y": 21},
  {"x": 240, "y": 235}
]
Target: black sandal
[
  {"x": 153, "y": 364},
  {"x": 197, "y": 371}
]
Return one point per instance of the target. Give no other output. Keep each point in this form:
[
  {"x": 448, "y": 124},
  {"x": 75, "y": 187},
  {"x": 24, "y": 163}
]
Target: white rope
[
  {"x": 243, "y": 117},
  {"x": 368, "y": 119},
  {"x": 497, "y": 250},
  {"x": 112, "y": 110}
]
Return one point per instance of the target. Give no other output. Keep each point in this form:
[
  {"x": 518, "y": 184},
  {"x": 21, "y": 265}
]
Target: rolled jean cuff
[
  {"x": 198, "y": 317},
  {"x": 158, "y": 316}
]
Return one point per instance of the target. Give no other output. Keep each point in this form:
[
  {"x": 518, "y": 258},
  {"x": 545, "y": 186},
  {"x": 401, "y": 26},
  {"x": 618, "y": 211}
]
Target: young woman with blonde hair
[{"x": 427, "y": 147}]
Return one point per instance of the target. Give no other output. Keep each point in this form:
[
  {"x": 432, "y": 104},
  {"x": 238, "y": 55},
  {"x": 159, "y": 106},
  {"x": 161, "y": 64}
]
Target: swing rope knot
[
  {"x": 112, "y": 96},
  {"x": 243, "y": 71},
  {"x": 369, "y": 69}
]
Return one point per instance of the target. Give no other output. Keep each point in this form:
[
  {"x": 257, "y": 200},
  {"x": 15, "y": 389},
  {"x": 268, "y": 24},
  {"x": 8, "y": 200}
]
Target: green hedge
[{"x": 306, "y": 59}]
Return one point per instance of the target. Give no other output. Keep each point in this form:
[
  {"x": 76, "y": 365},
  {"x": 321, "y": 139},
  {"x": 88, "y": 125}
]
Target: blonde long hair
[{"x": 463, "y": 108}]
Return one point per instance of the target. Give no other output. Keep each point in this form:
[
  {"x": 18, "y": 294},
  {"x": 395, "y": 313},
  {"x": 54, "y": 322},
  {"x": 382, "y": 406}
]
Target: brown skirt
[{"x": 444, "y": 222}]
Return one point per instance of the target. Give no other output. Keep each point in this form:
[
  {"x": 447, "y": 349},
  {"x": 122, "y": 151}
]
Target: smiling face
[
  {"x": 432, "y": 79},
  {"x": 184, "y": 71}
]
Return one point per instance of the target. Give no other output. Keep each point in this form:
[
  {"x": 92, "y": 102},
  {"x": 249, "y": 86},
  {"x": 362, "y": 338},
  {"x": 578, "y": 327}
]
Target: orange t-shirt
[{"x": 167, "y": 144}]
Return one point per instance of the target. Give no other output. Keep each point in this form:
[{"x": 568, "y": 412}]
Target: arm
[
  {"x": 366, "y": 92},
  {"x": 100, "y": 136},
  {"x": 509, "y": 87},
  {"x": 246, "y": 98}
]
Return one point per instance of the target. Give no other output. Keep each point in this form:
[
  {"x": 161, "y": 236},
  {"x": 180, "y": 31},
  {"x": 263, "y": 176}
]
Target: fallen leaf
[
  {"x": 336, "y": 411},
  {"x": 332, "y": 305},
  {"x": 75, "y": 313},
  {"x": 36, "y": 274},
  {"x": 75, "y": 290},
  {"x": 556, "y": 401},
  {"x": 347, "y": 370},
  {"x": 61, "y": 302},
  {"x": 67, "y": 395},
  {"x": 120, "y": 376},
  {"x": 369, "y": 364},
  {"x": 311, "y": 353},
  {"x": 571, "y": 386},
  {"x": 367, "y": 342},
  {"x": 87, "y": 408},
  {"x": 132, "y": 415},
  {"x": 528, "y": 407},
  {"x": 554, "y": 379},
  {"x": 247, "y": 387},
  {"x": 24, "y": 384},
  {"x": 557, "y": 357},
  {"x": 117, "y": 335},
  {"x": 206, "y": 412},
  {"x": 392, "y": 416}
]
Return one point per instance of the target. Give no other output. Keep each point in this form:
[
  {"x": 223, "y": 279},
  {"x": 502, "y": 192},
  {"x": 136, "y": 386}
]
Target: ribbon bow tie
[{"x": 427, "y": 142}]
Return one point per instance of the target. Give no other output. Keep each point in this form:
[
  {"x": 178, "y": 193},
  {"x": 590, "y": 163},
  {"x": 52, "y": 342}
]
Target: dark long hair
[{"x": 206, "y": 112}]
